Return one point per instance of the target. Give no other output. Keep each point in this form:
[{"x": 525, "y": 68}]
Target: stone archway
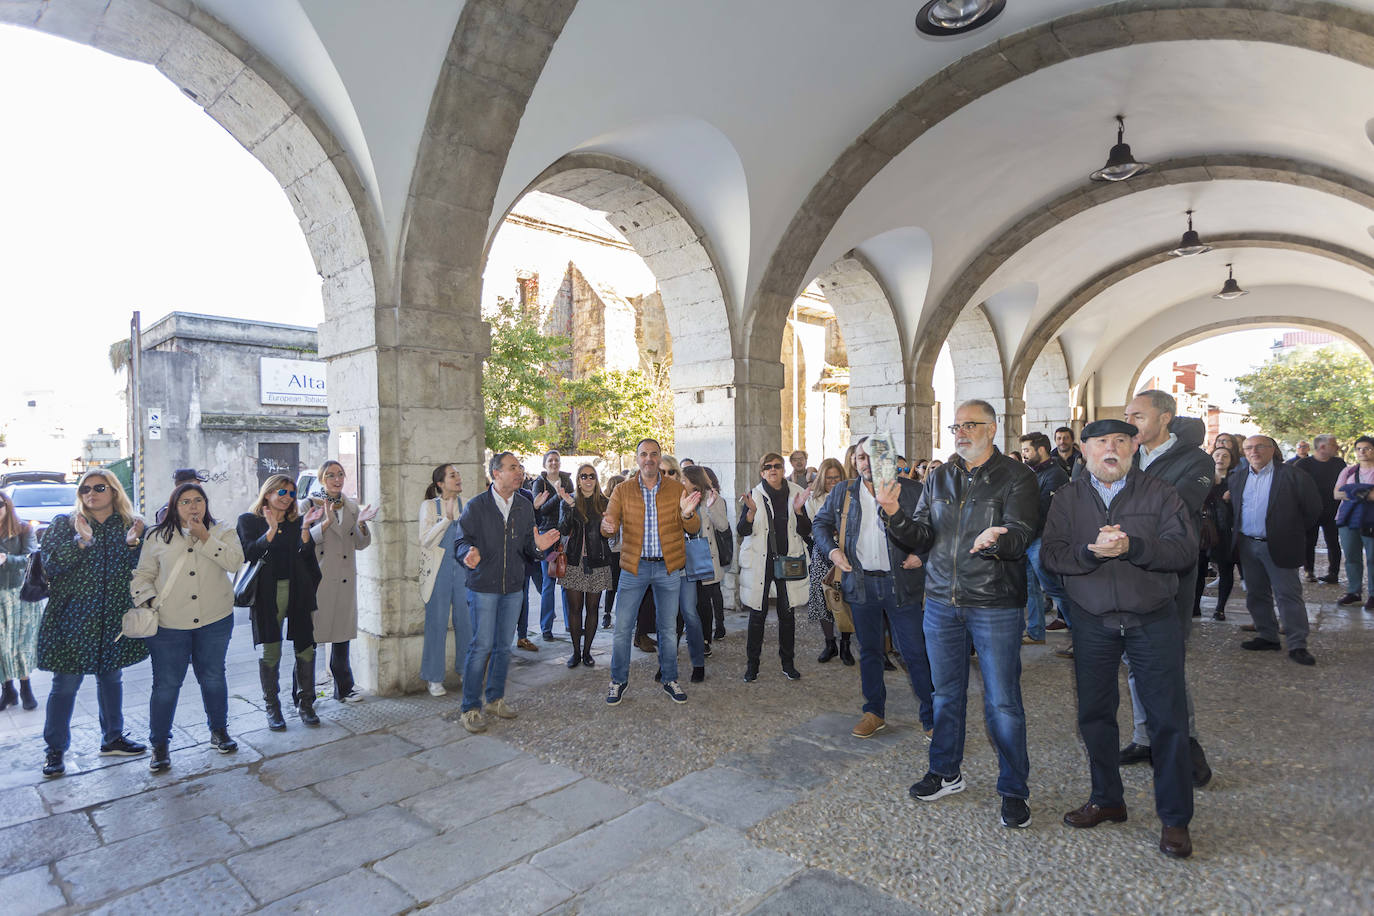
[
  {"x": 1046, "y": 391},
  {"x": 978, "y": 370}
]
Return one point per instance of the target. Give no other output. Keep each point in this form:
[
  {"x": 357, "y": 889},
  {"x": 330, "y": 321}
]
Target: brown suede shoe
[
  {"x": 646, "y": 644},
  {"x": 868, "y": 726},
  {"x": 1175, "y": 842},
  {"x": 1091, "y": 815},
  {"x": 525, "y": 644}
]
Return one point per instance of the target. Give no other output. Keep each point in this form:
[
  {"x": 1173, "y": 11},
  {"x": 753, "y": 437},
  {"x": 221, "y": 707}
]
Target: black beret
[{"x": 1107, "y": 428}]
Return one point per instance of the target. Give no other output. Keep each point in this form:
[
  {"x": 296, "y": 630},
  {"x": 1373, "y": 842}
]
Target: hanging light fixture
[
  {"x": 1190, "y": 244},
  {"x": 1230, "y": 289},
  {"x": 955, "y": 17},
  {"x": 1120, "y": 163}
]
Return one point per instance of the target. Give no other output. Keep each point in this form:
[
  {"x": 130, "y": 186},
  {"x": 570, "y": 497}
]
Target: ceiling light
[
  {"x": 1230, "y": 289},
  {"x": 955, "y": 17},
  {"x": 1120, "y": 163},
  {"x": 1190, "y": 244}
]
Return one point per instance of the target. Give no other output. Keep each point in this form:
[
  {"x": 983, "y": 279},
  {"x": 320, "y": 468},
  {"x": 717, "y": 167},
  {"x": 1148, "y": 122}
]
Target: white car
[{"x": 37, "y": 503}]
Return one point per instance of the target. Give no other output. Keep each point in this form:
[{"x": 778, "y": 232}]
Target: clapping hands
[{"x": 1111, "y": 542}]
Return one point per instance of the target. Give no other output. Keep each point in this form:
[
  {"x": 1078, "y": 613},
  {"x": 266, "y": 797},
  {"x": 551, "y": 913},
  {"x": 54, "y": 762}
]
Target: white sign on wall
[
  {"x": 293, "y": 382},
  {"x": 154, "y": 422}
]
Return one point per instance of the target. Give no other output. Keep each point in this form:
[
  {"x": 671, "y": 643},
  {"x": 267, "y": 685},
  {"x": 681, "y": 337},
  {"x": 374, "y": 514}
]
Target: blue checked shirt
[
  {"x": 1107, "y": 491},
  {"x": 652, "y": 547}
]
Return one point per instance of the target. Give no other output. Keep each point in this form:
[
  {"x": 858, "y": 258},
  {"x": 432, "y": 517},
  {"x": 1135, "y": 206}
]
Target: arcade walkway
[{"x": 749, "y": 799}]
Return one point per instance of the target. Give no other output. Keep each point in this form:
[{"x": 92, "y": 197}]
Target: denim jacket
[{"x": 908, "y": 584}]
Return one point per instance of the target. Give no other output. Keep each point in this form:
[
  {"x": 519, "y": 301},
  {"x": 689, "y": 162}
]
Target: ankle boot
[
  {"x": 829, "y": 652},
  {"x": 304, "y": 691},
  {"x": 846, "y": 655},
  {"x": 7, "y": 695},
  {"x": 268, "y": 675},
  {"x": 26, "y": 694},
  {"x": 587, "y": 637},
  {"x": 575, "y": 658}
]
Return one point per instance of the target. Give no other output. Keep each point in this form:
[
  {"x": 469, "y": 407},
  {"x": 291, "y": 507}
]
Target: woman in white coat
[
  {"x": 773, "y": 525},
  {"x": 338, "y": 536},
  {"x": 184, "y": 571},
  {"x": 443, "y": 581}
]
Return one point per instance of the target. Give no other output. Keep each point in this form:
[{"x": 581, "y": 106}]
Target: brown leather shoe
[
  {"x": 1175, "y": 842},
  {"x": 525, "y": 644},
  {"x": 646, "y": 644},
  {"x": 1091, "y": 815},
  {"x": 868, "y": 726},
  {"x": 1056, "y": 624}
]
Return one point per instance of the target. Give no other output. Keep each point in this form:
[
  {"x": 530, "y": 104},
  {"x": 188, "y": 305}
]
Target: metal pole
[{"x": 136, "y": 425}]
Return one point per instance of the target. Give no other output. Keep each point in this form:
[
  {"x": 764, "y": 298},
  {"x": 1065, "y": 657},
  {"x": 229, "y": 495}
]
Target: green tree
[
  {"x": 616, "y": 408},
  {"x": 521, "y": 392},
  {"x": 1297, "y": 394}
]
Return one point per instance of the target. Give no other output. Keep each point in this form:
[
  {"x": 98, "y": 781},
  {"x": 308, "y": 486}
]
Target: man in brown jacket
[{"x": 654, "y": 515}]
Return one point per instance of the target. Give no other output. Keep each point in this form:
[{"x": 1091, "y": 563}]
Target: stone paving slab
[
  {"x": 313, "y": 856},
  {"x": 358, "y": 893},
  {"x": 32, "y": 843},
  {"x": 210, "y": 890},
  {"x": 379, "y": 785},
  {"x": 31, "y": 891},
  {"x": 584, "y": 804},
  {"x": 460, "y": 758},
  {"x": 513, "y": 891},
  {"x": 792, "y": 763},
  {"x": 833, "y": 730},
  {"x": 728, "y": 796},
  {"x": 484, "y": 793},
  {"x": 817, "y": 892},
  {"x": 430, "y": 869},
  {"x": 592, "y": 856},
  {"x": 22, "y": 803},
  {"x": 132, "y": 777},
  {"x": 141, "y": 860},
  {"x": 297, "y": 737},
  {"x": 279, "y": 816},
  {"x": 303, "y": 768},
  {"x": 716, "y": 870},
  {"x": 178, "y": 802},
  {"x": 430, "y": 731}
]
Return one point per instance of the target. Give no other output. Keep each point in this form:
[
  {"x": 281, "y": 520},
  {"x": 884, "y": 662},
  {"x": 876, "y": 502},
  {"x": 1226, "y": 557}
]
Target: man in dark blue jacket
[
  {"x": 1041, "y": 586},
  {"x": 497, "y": 539},
  {"x": 878, "y": 577}
]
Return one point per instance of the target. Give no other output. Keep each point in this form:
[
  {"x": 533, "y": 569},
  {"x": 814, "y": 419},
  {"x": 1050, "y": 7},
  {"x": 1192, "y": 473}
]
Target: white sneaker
[
  {"x": 436, "y": 688},
  {"x": 473, "y": 721},
  {"x": 500, "y": 708},
  {"x": 353, "y": 696}
]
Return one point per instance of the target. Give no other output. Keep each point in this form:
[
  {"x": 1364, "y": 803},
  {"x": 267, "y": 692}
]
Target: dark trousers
[
  {"x": 646, "y": 624},
  {"x": 341, "y": 669},
  {"x": 1331, "y": 535},
  {"x": 787, "y": 633},
  {"x": 1155, "y": 651},
  {"x": 615, "y": 581},
  {"x": 1226, "y": 575},
  {"x": 710, "y": 607}
]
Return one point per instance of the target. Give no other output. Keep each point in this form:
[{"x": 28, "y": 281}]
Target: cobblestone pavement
[{"x": 751, "y": 798}]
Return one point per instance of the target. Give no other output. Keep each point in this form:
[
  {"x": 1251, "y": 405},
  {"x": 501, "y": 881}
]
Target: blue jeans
[
  {"x": 652, "y": 574},
  {"x": 996, "y": 635},
  {"x": 907, "y": 635},
  {"x": 109, "y": 694},
  {"x": 1051, "y": 587},
  {"x": 204, "y": 649},
  {"x": 448, "y": 601},
  {"x": 546, "y": 590},
  {"x": 534, "y": 572},
  {"x": 493, "y": 630},
  {"x": 1359, "y": 560},
  {"x": 691, "y": 624}
]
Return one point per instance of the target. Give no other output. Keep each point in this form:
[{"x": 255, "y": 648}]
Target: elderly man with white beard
[{"x": 1120, "y": 538}]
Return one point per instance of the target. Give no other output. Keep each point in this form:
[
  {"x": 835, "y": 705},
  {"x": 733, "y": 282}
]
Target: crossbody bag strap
[
  {"x": 844, "y": 517},
  {"x": 177, "y": 567}
]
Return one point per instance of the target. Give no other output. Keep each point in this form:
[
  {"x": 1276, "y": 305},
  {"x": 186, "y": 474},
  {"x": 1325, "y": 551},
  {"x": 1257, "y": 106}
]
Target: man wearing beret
[{"x": 1120, "y": 538}]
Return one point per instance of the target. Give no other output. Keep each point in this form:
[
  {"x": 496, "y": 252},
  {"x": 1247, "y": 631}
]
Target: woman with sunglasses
[
  {"x": 448, "y": 596},
  {"x": 18, "y": 618},
  {"x": 89, "y": 556},
  {"x": 772, "y": 524},
  {"x": 273, "y": 533},
  {"x": 338, "y": 537},
  {"x": 589, "y": 561},
  {"x": 185, "y": 565}
]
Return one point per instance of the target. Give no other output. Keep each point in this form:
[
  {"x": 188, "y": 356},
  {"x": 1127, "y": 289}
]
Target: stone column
[{"x": 920, "y": 420}]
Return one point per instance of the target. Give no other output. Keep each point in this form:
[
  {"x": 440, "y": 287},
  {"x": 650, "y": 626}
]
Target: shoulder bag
[
  {"x": 142, "y": 622},
  {"x": 699, "y": 565},
  {"x": 246, "y": 582},
  {"x": 785, "y": 568},
  {"x": 830, "y": 585},
  {"x": 35, "y": 587},
  {"x": 431, "y": 558}
]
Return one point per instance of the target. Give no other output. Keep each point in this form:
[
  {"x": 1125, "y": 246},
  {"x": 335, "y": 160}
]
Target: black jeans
[
  {"x": 1331, "y": 535},
  {"x": 1226, "y": 573},
  {"x": 786, "y": 623},
  {"x": 340, "y": 667},
  {"x": 710, "y": 608},
  {"x": 1155, "y": 651}
]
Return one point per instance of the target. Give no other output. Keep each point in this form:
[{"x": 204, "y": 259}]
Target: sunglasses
[
  {"x": 586, "y": 477},
  {"x": 772, "y": 467},
  {"x": 286, "y": 492},
  {"x": 670, "y": 472},
  {"x": 92, "y": 488}
]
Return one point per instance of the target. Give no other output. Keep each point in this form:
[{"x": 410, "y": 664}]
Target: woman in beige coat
[
  {"x": 184, "y": 571},
  {"x": 338, "y": 536}
]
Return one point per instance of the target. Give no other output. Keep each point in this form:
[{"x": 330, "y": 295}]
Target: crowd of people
[{"x": 950, "y": 562}]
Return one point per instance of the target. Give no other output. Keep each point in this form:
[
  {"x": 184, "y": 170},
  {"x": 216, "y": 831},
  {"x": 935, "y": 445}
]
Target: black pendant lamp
[
  {"x": 1230, "y": 289},
  {"x": 954, "y": 17},
  {"x": 1120, "y": 163},
  {"x": 1190, "y": 244}
]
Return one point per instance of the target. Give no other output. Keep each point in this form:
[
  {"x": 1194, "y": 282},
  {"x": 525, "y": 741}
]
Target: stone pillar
[
  {"x": 1011, "y": 413},
  {"x": 920, "y": 420}
]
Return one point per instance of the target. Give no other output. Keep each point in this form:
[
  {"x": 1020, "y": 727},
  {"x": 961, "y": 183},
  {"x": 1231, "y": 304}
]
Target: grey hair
[
  {"x": 1162, "y": 401},
  {"x": 494, "y": 464},
  {"x": 1324, "y": 437},
  {"x": 982, "y": 405}
]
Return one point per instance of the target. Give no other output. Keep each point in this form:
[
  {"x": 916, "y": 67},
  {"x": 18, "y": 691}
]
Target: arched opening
[{"x": 817, "y": 380}]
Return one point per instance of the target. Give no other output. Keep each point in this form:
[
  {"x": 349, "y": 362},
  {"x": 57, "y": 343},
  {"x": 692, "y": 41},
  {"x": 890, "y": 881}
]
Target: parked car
[
  {"x": 13, "y": 477},
  {"x": 38, "y": 503}
]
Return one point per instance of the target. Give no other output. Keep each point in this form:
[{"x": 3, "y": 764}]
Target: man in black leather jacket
[
  {"x": 976, "y": 516},
  {"x": 1170, "y": 447}
]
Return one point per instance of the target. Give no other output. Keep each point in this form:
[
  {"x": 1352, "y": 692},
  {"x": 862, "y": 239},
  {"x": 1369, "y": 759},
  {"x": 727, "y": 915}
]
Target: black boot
[
  {"x": 26, "y": 694},
  {"x": 846, "y": 655},
  {"x": 267, "y": 674},
  {"x": 161, "y": 758},
  {"x": 303, "y": 692},
  {"x": 7, "y": 695},
  {"x": 830, "y": 651}
]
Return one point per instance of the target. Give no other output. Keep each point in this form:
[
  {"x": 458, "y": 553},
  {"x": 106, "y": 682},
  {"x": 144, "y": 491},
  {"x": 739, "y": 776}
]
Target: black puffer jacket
[
  {"x": 955, "y": 507},
  {"x": 1185, "y": 465}
]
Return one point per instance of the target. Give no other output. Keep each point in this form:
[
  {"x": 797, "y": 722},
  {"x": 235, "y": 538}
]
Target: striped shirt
[{"x": 652, "y": 546}]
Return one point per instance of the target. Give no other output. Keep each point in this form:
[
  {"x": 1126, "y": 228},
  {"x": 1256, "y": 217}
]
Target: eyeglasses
[
  {"x": 97, "y": 488},
  {"x": 967, "y": 427},
  {"x": 191, "y": 501},
  {"x": 589, "y": 476},
  {"x": 772, "y": 467},
  {"x": 286, "y": 492}
]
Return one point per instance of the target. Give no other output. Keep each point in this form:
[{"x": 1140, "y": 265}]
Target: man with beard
[
  {"x": 1119, "y": 537},
  {"x": 976, "y": 516},
  {"x": 1066, "y": 454}
]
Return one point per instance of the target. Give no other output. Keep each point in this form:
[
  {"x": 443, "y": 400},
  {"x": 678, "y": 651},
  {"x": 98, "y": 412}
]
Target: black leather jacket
[
  {"x": 955, "y": 507},
  {"x": 578, "y": 532}
]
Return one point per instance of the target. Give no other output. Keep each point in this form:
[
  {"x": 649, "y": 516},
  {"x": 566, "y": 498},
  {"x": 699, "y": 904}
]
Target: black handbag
[
  {"x": 246, "y": 583},
  {"x": 789, "y": 568},
  {"x": 725, "y": 546},
  {"x": 35, "y": 587}
]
